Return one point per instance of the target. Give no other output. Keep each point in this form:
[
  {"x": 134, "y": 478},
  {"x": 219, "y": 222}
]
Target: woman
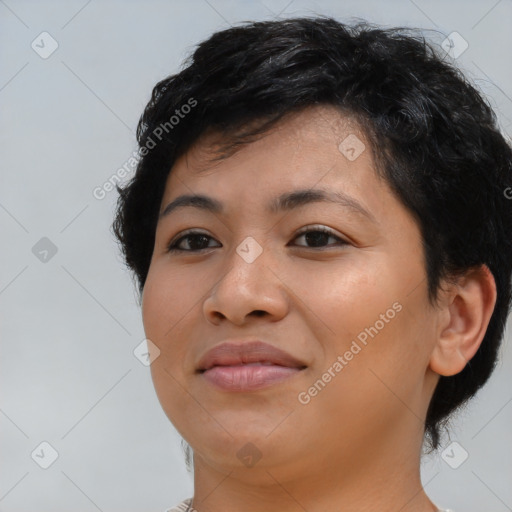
[{"x": 319, "y": 228}]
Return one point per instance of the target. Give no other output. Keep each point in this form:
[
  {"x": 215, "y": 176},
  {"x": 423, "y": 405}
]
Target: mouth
[{"x": 247, "y": 366}]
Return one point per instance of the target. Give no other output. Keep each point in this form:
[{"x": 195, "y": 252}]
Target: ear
[{"x": 464, "y": 315}]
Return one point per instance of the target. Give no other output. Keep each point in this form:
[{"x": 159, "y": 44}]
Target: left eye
[
  {"x": 319, "y": 235},
  {"x": 316, "y": 236}
]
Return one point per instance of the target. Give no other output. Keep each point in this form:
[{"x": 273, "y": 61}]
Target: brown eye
[
  {"x": 318, "y": 237},
  {"x": 197, "y": 241}
]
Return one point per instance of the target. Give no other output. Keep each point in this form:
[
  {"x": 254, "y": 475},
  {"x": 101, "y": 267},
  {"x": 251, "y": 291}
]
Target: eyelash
[{"x": 173, "y": 246}]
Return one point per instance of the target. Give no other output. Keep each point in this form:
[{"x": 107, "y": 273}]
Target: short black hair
[{"x": 434, "y": 137}]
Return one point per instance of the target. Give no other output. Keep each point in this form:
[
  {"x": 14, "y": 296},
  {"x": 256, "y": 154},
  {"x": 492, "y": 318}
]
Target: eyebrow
[{"x": 285, "y": 202}]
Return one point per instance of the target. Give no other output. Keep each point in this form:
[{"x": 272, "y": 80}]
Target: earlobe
[{"x": 463, "y": 319}]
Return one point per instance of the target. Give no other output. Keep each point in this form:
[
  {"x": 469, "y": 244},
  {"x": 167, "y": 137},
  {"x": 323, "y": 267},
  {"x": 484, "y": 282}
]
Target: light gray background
[{"x": 69, "y": 325}]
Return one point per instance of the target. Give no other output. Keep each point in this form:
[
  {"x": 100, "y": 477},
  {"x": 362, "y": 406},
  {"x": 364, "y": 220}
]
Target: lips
[
  {"x": 235, "y": 354},
  {"x": 245, "y": 366}
]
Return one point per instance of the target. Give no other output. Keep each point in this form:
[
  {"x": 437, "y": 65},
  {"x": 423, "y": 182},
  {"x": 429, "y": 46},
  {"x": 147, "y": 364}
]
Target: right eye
[{"x": 195, "y": 238}]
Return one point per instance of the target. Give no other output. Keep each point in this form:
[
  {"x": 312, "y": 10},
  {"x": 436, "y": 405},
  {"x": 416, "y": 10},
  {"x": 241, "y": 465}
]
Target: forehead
[{"x": 318, "y": 147}]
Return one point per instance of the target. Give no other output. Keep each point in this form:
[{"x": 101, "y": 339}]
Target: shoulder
[{"x": 180, "y": 507}]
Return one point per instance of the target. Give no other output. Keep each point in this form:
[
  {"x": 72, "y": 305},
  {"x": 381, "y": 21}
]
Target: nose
[{"x": 247, "y": 290}]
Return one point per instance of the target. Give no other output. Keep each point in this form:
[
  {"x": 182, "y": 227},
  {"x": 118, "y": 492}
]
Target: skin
[{"x": 356, "y": 445}]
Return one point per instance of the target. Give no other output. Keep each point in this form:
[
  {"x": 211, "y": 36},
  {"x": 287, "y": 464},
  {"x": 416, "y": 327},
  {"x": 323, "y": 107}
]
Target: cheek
[
  {"x": 163, "y": 306},
  {"x": 165, "y": 301},
  {"x": 370, "y": 315},
  {"x": 350, "y": 299},
  {"x": 153, "y": 311}
]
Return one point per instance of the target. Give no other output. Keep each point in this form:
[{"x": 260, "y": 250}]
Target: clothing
[{"x": 183, "y": 506}]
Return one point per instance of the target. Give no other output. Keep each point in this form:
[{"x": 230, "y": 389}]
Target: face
[{"x": 338, "y": 284}]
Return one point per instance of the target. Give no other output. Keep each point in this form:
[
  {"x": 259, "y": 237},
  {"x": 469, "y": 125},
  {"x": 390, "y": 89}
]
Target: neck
[{"x": 386, "y": 477}]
